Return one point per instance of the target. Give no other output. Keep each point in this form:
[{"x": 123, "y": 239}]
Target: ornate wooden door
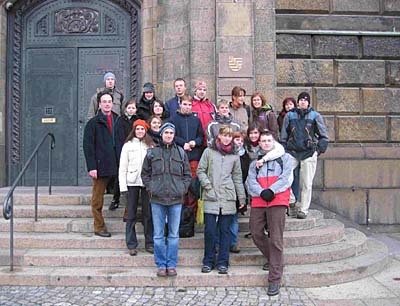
[{"x": 65, "y": 49}]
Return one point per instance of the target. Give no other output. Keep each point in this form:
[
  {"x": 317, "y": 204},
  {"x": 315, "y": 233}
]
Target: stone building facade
[{"x": 344, "y": 53}]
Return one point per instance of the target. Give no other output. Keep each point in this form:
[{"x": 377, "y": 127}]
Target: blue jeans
[
  {"x": 233, "y": 229},
  {"x": 166, "y": 250},
  {"x": 211, "y": 231}
]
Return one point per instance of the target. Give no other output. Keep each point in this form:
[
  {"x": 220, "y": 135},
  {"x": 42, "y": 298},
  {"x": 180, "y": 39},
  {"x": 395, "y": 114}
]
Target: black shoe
[
  {"x": 206, "y": 269},
  {"x": 114, "y": 205},
  {"x": 266, "y": 266},
  {"x": 222, "y": 270},
  {"x": 247, "y": 236},
  {"x": 273, "y": 289},
  {"x": 150, "y": 249},
  {"x": 103, "y": 233}
]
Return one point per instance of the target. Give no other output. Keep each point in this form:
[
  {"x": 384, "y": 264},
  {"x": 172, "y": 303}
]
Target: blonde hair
[
  {"x": 222, "y": 102},
  {"x": 225, "y": 130}
]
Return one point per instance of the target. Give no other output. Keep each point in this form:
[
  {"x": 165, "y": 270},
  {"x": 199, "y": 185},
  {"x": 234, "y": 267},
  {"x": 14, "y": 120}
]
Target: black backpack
[{"x": 186, "y": 227}]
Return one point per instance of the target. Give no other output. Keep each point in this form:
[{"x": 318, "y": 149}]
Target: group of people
[{"x": 239, "y": 154}]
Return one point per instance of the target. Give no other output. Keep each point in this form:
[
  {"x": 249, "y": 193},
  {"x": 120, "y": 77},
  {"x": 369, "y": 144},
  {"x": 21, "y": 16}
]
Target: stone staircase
[{"x": 61, "y": 250}]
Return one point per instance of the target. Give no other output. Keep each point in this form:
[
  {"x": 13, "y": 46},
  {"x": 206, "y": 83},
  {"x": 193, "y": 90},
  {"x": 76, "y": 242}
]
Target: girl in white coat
[{"x": 130, "y": 181}]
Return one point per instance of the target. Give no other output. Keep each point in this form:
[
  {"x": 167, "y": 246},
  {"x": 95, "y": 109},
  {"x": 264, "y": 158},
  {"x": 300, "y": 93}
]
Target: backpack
[{"x": 186, "y": 227}]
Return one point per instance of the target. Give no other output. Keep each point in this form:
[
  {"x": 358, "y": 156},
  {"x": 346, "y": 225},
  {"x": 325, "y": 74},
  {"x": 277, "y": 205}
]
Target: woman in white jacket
[{"x": 130, "y": 181}]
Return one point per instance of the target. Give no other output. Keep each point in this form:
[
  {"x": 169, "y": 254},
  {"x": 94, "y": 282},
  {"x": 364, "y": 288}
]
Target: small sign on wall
[{"x": 49, "y": 120}]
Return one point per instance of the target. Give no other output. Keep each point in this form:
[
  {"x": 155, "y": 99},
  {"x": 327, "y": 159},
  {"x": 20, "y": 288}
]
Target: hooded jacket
[
  {"x": 166, "y": 174},
  {"x": 213, "y": 126},
  {"x": 303, "y": 133},
  {"x": 221, "y": 178},
  {"x": 206, "y": 111},
  {"x": 272, "y": 175},
  {"x": 144, "y": 108}
]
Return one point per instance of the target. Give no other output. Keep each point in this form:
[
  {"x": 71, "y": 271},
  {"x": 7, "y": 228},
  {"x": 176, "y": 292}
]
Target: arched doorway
[{"x": 60, "y": 52}]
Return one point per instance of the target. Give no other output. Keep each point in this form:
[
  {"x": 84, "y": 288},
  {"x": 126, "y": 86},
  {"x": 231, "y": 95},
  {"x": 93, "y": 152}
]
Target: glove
[{"x": 267, "y": 195}]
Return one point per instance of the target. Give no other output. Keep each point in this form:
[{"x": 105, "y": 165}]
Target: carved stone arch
[{"x": 15, "y": 39}]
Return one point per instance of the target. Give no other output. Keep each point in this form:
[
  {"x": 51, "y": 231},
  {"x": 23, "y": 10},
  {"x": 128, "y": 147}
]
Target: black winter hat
[
  {"x": 148, "y": 87},
  {"x": 304, "y": 95}
]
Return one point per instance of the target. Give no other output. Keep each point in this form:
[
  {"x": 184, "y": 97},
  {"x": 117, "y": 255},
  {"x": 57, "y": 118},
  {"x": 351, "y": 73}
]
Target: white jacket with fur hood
[{"x": 130, "y": 164}]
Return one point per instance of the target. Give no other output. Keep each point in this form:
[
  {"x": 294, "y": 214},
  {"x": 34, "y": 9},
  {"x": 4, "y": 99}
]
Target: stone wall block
[
  {"x": 202, "y": 4},
  {"x": 381, "y": 47},
  {"x": 355, "y": 6},
  {"x": 285, "y": 92},
  {"x": 304, "y": 72},
  {"x": 202, "y": 25},
  {"x": 264, "y": 26},
  {"x": 338, "y": 100},
  {"x": 381, "y": 100},
  {"x": 395, "y": 128},
  {"x": 388, "y": 151},
  {"x": 391, "y": 6},
  {"x": 394, "y": 73},
  {"x": 304, "y": 5},
  {"x": 330, "y": 125},
  {"x": 377, "y": 173},
  {"x": 264, "y": 53},
  {"x": 351, "y": 72},
  {"x": 357, "y": 128},
  {"x": 347, "y": 203},
  {"x": 176, "y": 36},
  {"x": 335, "y": 46},
  {"x": 265, "y": 83},
  {"x": 176, "y": 64},
  {"x": 238, "y": 44},
  {"x": 318, "y": 181},
  {"x": 264, "y": 4},
  {"x": 344, "y": 152},
  {"x": 384, "y": 206},
  {"x": 234, "y": 19},
  {"x": 334, "y": 22},
  {"x": 293, "y": 45},
  {"x": 202, "y": 57}
]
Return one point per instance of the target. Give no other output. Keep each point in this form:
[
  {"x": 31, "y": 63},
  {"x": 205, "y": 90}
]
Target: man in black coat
[{"x": 101, "y": 161}]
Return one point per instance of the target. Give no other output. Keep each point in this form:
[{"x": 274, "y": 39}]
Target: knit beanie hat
[
  {"x": 141, "y": 123},
  {"x": 200, "y": 84},
  {"x": 305, "y": 96},
  {"x": 108, "y": 75},
  {"x": 167, "y": 125},
  {"x": 148, "y": 87}
]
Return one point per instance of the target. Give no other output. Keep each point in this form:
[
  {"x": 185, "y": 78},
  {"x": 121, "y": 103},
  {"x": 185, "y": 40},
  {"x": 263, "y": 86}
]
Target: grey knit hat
[
  {"x": 167, "y": 125},
  {"x": 108, "y": 75}
]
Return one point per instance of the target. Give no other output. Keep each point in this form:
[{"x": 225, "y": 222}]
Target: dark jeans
[
  {"x": 134, "y": 194},
  {"x": 211, "y": 230},
  {"x": 296, "y": 182}
]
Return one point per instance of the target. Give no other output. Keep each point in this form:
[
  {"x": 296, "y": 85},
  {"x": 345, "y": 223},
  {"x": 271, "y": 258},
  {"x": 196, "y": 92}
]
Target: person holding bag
[{"x": 220, "y": 176}]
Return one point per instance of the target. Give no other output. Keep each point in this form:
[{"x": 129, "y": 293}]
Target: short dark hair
[
  {"x": 106, "y": 91},
  {"x": 236, "y": 91},
  {"x": 180, "y": 79}
]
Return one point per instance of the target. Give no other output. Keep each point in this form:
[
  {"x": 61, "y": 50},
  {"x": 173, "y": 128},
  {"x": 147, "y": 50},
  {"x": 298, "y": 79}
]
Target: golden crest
[{"x": 235, "y": 63}]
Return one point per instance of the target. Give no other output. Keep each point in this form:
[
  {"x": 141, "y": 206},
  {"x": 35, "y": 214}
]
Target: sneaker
[
  {"x": 301, "y": 215},
  {"x": 234, "y": 249},
  {"x": 114, "y": 205},
  {"x": 132, "y": 252},
  {"x": 206, "y": 269},
  {"x": 103, "y": 233},
  {"x": 265, "y": 267},
  {"x": 273, "y": 289},
  {"x": 222, "y": 270},
  {"x": 172, "y": 272}
]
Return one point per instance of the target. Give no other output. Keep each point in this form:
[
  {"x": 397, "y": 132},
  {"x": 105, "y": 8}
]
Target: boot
[{"x": 292, "y": 210}]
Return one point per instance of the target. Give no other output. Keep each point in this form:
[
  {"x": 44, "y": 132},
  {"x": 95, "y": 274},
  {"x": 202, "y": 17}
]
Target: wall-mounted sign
[
  {"x": 225, "y": 86},
  {"x": 235, "y": 65},
  {"x": 49, "y": 120}
]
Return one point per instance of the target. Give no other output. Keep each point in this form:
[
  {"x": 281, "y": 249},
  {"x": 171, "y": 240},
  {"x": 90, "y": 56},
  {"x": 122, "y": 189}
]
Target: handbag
[{"x": 200, "y": 201}]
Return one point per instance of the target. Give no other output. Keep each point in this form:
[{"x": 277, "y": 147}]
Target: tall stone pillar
[{"x": 245, "y": 47}]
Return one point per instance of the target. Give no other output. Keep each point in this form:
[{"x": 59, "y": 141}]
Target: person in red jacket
[
  {"x": 203, "y": 107},
  {"x": 269, "y": 187}
]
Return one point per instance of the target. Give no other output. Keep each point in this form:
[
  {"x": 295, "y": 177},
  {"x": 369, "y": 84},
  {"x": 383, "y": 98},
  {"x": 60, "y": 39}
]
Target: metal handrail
[{"x": 8, "y": 203}]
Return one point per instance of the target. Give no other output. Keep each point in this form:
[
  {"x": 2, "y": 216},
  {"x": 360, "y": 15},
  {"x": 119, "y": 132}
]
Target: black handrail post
[
  {"x": 12, "y": 233},
  {"x": 50, "y": 163},
  {"x": 36, "y": 185}
]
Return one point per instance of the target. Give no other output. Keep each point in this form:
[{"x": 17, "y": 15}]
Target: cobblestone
[{"x": 74, "y": 296}]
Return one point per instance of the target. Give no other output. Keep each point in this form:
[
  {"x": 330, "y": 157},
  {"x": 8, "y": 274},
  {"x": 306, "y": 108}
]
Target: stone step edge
[
  {"x": 294, "y": 276},
  {"x": 353, "y": 244}
]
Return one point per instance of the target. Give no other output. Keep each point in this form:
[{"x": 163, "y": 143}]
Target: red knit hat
[{"x": 141, "y": 123}]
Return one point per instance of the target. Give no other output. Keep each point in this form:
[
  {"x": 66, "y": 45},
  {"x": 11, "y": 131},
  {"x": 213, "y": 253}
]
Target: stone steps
[
  {"x": 353, "y": 244},
  {"x": 329, "y": 231},
  {"x": 79, "y": 220},
  {"x": 61, "y": 250},
  {"x": 294, "y": 275}
]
